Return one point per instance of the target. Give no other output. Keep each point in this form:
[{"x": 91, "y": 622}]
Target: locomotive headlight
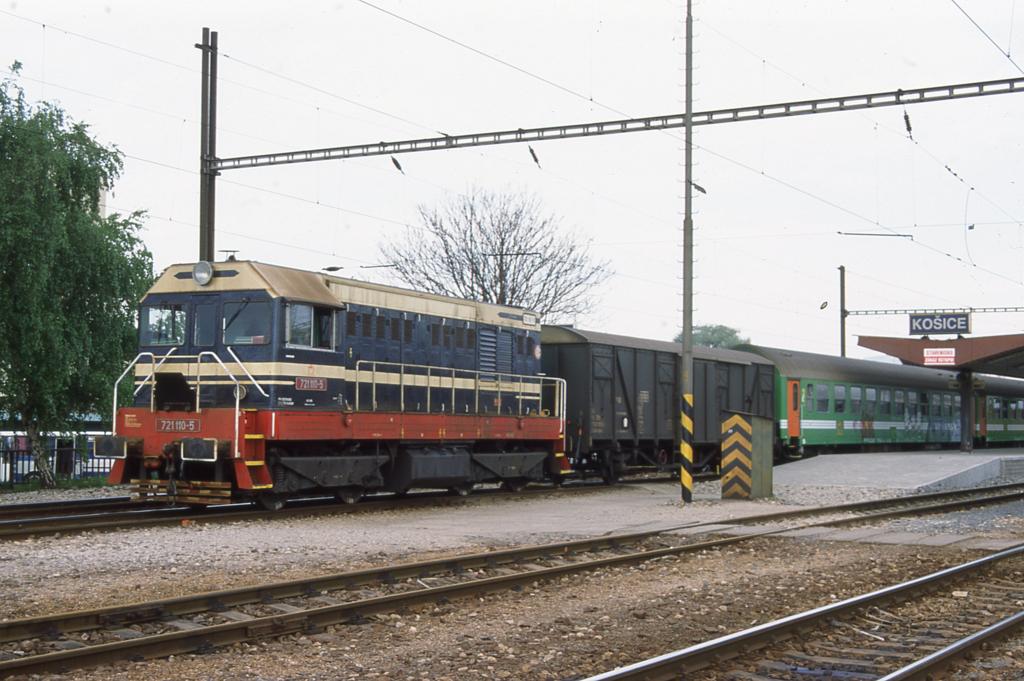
[{"x": 202, "y": 273}]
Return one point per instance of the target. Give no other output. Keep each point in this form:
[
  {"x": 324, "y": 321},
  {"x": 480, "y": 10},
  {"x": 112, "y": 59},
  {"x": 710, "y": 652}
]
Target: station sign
[
  {"x": 945, "y": 322},
  {"x": 939, "y": 356}
]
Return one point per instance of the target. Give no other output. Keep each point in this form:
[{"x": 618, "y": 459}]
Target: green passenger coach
[{"x": 832, "y": 404}]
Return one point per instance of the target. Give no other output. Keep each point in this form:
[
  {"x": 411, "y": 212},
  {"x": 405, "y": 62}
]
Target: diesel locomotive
[{"x": 255, "y": 381}]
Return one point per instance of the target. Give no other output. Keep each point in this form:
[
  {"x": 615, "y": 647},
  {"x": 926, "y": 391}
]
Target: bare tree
[{"x": 498, "y": 248}]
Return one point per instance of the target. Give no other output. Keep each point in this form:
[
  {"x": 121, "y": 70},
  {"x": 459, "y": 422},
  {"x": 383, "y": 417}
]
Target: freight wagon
[{"x": 623, "y": 396}]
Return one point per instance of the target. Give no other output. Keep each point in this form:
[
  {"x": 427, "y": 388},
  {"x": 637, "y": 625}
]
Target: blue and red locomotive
[{"x": 262, "y": 382}]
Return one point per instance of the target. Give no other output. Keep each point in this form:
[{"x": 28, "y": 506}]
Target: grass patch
[{"x": 62, "y": 483}]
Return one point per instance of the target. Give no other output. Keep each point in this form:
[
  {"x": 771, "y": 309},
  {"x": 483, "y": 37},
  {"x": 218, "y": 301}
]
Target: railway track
[
  {"x": 111, "y": 517},
  {"x": 205, "y": 621},
  {"x": 912, "y": 630},
  {"x": 18, "y": 521},
  {"x": 50, "y": 508}
]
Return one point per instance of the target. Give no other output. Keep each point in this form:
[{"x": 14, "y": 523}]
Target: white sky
[{"x": 767, "y": 246}]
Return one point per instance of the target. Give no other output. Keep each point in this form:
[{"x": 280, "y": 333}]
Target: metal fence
[{"x": 71, "y": 459}]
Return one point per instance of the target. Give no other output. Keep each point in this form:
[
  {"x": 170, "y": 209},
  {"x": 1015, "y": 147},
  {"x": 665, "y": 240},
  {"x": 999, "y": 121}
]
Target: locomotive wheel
[
  {"x": 514, "y": 485},
  {"x": 270, "y": 501},
  {"x": 462, "y": 490},
  {"x": 349, "y": 495}
]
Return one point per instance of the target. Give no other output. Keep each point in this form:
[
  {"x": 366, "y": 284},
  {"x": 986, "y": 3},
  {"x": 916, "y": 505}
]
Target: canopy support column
[{"x": 967, "y": 405}]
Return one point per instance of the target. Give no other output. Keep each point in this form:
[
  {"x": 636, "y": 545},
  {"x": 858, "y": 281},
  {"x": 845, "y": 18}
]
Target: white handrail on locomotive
[
  {"x": 246, "y": 371},
  {"x": 238, "y": 391},
  {"x": 151, "y": 378},
  {"x": 494, "y": 378},
  {"x": 152, "y": 375}
]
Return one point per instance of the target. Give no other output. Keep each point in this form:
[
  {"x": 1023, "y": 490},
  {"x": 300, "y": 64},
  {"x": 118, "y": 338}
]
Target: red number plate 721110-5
[{"x": 177, "y": 425}]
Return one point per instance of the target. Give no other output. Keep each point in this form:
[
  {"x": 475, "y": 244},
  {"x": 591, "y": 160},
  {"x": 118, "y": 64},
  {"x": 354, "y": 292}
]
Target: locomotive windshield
[
  {"x": 163, "y": 324},
  {"x": 247, "y": 323}
]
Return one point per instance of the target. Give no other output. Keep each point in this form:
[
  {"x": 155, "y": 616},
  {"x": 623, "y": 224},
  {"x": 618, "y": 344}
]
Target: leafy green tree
[
  {"x": 715, "y": 336},
  {"x": 70, "y": 277}
]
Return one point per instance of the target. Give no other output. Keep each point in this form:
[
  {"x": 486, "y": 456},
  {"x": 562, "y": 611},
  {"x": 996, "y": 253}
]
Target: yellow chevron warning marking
[
  {"x": 737, "y": 439},
  {"x": 738, "y": 459},
  {"x": 736, "y": 421},
  {"x": 737, "y": 473},
  {"x": 687, "y": 423}
]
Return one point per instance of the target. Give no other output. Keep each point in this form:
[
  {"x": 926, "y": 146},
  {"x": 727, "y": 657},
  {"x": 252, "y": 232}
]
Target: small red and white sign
[
  {"x": 310, "y": 383},
  {"x": 939, "y": 356},
  {"x": 177, "y": 425}
]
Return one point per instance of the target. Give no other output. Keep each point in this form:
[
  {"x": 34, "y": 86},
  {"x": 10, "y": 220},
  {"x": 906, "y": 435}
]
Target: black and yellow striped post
[
  {"x": 686, "y": 450},
  {"x": 737, "y": 458}
]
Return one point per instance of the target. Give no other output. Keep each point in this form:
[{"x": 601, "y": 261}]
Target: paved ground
[{"x": 919, "y": 471}]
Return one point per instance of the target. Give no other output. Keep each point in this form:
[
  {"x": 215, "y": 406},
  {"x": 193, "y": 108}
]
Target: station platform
[{"x": 919, "y": 471}]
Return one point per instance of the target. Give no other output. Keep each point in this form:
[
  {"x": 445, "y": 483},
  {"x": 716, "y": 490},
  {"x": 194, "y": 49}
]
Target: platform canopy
[{"x": 999, "y": 355}]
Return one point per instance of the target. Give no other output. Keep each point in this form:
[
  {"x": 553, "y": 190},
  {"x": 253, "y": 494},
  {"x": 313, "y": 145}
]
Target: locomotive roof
[
  {"x": 325, "y": 289},
  {"x": 554, "y": 335}
]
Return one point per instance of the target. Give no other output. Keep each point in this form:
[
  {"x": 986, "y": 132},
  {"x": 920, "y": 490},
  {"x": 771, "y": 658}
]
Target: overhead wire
[
  {"x": 875, "y": 122},
  {"x": 696, "y": 146},
  {"x": 317, "y": 107},
  {"x": 990, "y": 39},
  {"x": 501, "y": 61}
]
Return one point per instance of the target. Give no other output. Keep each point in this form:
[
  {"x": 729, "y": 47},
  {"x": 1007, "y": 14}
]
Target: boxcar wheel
[
  {"x": 270, "y": 501},
  {"x": 514, "y": 485},
  {"x": 462, "y": 490},
  {"x": 349, "y": 495}
]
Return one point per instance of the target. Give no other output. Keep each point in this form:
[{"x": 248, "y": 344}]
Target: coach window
[
  {"x": 205, "y": 333},
  {"x": 367, "y": 322},
  {"x": 936, "y": 409},
  {"x": 870, "y": 398},
  {"x": 899, "y": 408},
  {"x": 309, "y": 326},
  {"x": 247, "y": 323},
  {"x": 912, "y": 404},
  {"x": 381, "y": 326},
  {"x": 407, "y": 330},
  {"x": 840, "y": 399},
  {"x": 821, "y": 403},
  {"x": 855, "y": 399},
  {"x": 163, "y": 325},
  {"x": 956, "y": 407},
  {"x": 471, "y": 339},
  {"x": 396, "y": 329},
  {"x": 1005, "y": 411},
  {"x": 809, "y": 398},
  {"x": 885, "y": 403},
  {"x": 947, "y": 405}
]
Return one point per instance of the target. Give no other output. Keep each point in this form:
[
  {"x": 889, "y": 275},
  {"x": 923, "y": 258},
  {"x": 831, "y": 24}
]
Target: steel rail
[
  {"x": 14, "y": 630},
  {"x": 138, "y": 519},
  {"x": 927, "y": 667},
  {"x": 44, "y": 507},
  {"x": 10, "y": 530},
  {"x": 312, "y": 619},
  {"x": 695, "y": 657}
]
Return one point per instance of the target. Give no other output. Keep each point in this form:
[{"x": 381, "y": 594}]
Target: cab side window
[{"x": 310, "y": 326}]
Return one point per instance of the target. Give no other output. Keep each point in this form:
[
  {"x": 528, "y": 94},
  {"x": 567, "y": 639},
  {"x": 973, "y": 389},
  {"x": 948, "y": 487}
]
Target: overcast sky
[{"x": 778, "y": 191}]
